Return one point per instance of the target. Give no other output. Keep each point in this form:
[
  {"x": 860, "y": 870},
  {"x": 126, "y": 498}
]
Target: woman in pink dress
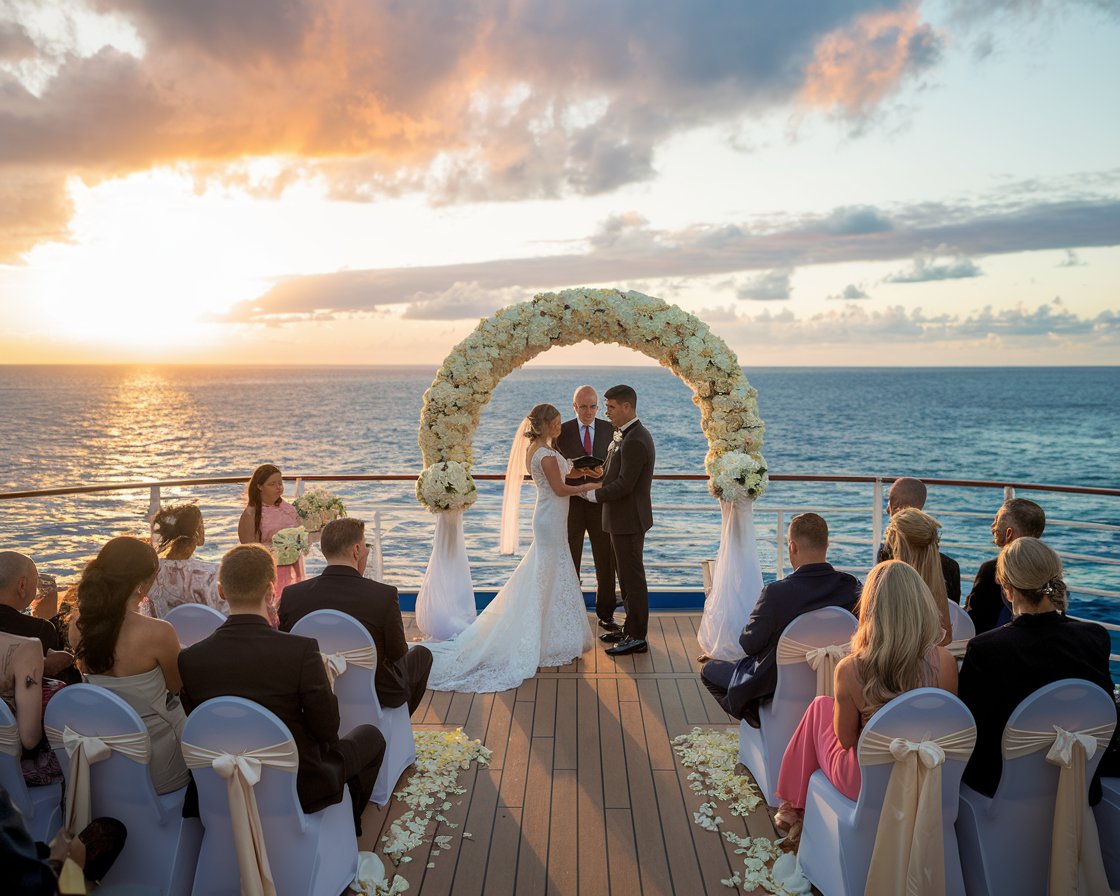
[
  {"x": 265, "y": 514},
  {"x": 894, "y": 650}
]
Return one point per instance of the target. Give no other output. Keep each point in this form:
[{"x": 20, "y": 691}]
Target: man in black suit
[
  {"x": 628, "y": 514},
  {"x": 402, "y": 674},
  {"x": 582, "y": 436},
  {"x": 19, "y": 584},
  {"x": 909, "y": 492},
  {"x": 741, "y": 688},
  {"x": 986, "y": 603},
  {"x": 284, "y": 673}
]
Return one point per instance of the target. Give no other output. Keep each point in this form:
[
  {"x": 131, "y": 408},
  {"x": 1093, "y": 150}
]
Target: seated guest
[
  {"x": 129, "y": 654},
  {"x": 19, "y": 583},
  {"x": 22, "y": 689},
  {"x": 912, "y": 537},
  {"x": 986, "y": 603},
  {"x": 1039, "y": 646},
  {"x": 740, "y": 688},
  {"x": 402, "y": 674},
  {"x": 182, "y": 579},
  {"x": 246, "y": 657},
  {"x": 894, "y": 650},
  {"x": 908, "y": 492}
]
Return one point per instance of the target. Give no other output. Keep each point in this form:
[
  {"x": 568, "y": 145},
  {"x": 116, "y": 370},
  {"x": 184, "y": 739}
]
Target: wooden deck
[{"x": 583, "y": 793}]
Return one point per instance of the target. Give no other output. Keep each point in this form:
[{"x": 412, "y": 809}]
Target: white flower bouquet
[
  {"x": 318, "y": 507},
  {"x": 290, "y": 544},
  {"x": 446, "y": 485},
  {"x": 735, "y": 476}
]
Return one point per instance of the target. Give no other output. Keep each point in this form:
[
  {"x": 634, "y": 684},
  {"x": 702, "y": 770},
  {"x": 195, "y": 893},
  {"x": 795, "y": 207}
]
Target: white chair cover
[
  {"x": 736, "y": 585},
  {"x": 909, "y": 852},
  {"x": 821, "y": 660},
  {"x": 9, "y": 740},
  {"x": 445, "y": 603},
  {"x": 336, "y": 663},
  {"x": 242, "y": 771},
  {"x": 1076, "y": 865},
  {"x": 84, "y": 751},
  {"x": 958, "y": 647}
]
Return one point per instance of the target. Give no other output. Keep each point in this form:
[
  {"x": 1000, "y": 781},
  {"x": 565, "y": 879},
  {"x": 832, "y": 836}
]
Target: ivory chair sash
[
  {"x": 9, "y": 740},
  {"x": 84, "y": 751},
  {"x": 1076, "y": 865},
  {"x": 821, "y": 660},
  {"x": 336, "y": 663},
  {"x": 958, "y": 647},
  {"x": 909, "y": 852},
  {"x": 242, "y": 771}
]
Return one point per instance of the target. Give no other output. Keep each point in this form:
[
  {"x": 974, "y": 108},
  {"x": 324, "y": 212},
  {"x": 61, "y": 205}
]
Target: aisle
[{"x": 583, "y": 793}]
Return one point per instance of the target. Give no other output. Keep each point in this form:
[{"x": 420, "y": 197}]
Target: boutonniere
[{"x": 617, "y": 437}]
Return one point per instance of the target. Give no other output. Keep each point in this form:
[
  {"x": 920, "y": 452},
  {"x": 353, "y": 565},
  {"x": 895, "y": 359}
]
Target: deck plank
[
  {"x": 516, "y": 767},
  {"x": 563, "y": 851},
  {"x": 653, "y": 866},
  {"x": 566, "y": 725},
  {"x": 616, "y": 794},
  {"x": 533, "y": 855},
  {"x": 592, "y": 834}
]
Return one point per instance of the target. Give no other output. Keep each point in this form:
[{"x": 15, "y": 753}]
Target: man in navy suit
[
  {"x": 402, "y": 673},
  {"x": 582, "y": 436},
  {"x": 741, "y": 688}
]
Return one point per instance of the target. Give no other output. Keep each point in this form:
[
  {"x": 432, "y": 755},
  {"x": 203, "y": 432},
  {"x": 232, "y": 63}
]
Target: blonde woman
[
  {"x": 894, "y": 650},
  {"x": 913, "y": 537},
  {"x": 1038, "y": 646}
]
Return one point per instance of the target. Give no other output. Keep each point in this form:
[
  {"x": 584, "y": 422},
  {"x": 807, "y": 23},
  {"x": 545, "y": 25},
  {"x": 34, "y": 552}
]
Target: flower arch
[{"x": 516, "y": 334}]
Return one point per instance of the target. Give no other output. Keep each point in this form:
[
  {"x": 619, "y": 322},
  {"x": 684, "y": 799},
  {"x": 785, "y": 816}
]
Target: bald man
[
  {"x": 910, "y": 492},
  {"x": 19, "y": 584}
]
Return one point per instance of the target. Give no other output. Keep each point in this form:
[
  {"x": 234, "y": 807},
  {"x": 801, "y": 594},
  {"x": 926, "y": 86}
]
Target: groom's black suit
[
  {"x": 583, "y": 516},
  {"x": 627, "y": 516}
]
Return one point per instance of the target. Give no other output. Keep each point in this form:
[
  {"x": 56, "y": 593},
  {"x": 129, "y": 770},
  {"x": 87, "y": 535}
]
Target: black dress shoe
[
  {"x": 612, "y": 637},
  {"x": 610, "y": 625},
  {"x": 629, "y": 645}
]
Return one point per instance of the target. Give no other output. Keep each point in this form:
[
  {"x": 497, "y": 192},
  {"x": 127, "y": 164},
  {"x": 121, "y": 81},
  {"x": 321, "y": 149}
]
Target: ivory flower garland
[{"x": 516, "y": 334}]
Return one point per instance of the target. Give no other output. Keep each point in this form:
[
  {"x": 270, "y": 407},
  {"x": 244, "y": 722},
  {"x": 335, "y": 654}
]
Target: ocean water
[{"x": 74, "y": 426}]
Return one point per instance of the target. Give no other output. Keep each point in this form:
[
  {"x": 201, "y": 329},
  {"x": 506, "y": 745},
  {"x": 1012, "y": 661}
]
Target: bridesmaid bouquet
[
  {"x": 289, "y": 544},
  {"x": 318, "y": 507}
]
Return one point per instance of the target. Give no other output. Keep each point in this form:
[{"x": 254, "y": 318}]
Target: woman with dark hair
[
  {"x": 135, "y": 657},
  {"x": 539, "y": 617},
  {"x": 266, "y": 513},
  {"x": 1040, "y": 645},
  {"x": 182, "y": 578}
]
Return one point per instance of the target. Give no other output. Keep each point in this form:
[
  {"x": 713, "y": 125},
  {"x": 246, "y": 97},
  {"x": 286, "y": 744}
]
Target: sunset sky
[{"x": 357, "y": 182}]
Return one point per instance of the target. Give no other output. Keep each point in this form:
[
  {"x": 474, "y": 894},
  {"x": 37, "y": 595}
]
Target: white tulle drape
[
  {"x": 735, "y": 585},
  {"x": 445, "y": 602},
  {"x": 509, "y": 535}
]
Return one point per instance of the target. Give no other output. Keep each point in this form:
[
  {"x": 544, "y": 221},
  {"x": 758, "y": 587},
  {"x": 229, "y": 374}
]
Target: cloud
[
  {"x": 625, "y": 250},
  {"x": 486, "y": 100},
  {"x": 461, "y": 301},
  {"x": 768, "y": 287},
  {"x": 1072, "y": 260},
  {"x": 851, "y": 292},
  {"x": 927, "y": 269},
  {"x": 857, "y": 220}
]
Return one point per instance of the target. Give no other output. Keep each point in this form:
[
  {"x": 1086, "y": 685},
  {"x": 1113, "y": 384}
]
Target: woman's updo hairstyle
[
  {"x": 260, "y": 476},
  {"x": 176, "y": 528},
  {"x": 537, "y": 421},
  {"x": 106, "y": 585},
  {"x": 1034, "y": 569}
]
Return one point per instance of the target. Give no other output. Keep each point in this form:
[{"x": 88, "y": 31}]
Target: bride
[{"x": 539, "y": 617}]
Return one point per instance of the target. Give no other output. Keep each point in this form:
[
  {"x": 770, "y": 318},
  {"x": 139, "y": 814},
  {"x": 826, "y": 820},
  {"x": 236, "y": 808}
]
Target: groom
[{"x": 627, "y": 514}]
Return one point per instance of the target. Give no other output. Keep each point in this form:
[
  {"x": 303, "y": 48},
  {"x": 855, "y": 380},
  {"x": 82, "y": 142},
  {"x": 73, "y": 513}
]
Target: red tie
[{"x": 587, "y": 439}]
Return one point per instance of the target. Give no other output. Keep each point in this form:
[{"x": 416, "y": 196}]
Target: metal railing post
[
  {"x": 1008, "y": 492},
  {"x": 876, "y": 520},
  {"x": 153, "y": 503},
  {"x": 780, "y": 544},
  {"x": 378, "y": 556},
  {"x": 299, "y": 487}
]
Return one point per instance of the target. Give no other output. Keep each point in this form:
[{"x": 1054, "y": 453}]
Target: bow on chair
[
  {"x": 84, "y": 751},
  {"x": 1076, "y": 865},
  {"x": 909, "y": 852},
  {"x": 821, "y": 660},
  {"x": 241, "y": 772},
  {"x": 336, "y": 663}
]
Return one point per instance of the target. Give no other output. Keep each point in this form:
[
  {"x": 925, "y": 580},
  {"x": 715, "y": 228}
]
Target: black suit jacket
[
  {"x": 627, "y": 483},
  {"x": 809, "y": 587},
  {"x": 284, "y": 673},
  {"x": 985, "y": 603},
  {"x": 374, "y": 605},
  {"x": 1008, "y": 664},
  {"x": 950, "y": 571},
  {"x": 569, "y": 444},
  {"x": 14, "y": 622}
]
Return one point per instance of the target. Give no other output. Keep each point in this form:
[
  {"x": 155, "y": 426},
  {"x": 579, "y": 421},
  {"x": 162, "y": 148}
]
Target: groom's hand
[{"x": 594, "y": 472}]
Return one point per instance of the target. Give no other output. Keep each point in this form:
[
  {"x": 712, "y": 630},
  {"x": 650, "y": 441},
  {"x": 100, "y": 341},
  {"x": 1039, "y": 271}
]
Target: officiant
[{"x": 589, "y": 436}]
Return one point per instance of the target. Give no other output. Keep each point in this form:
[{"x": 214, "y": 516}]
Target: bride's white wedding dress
[{"x": 537, "y": 619}]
